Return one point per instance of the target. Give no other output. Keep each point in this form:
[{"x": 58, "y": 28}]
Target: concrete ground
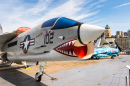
[{"x": 103, "y": 72}]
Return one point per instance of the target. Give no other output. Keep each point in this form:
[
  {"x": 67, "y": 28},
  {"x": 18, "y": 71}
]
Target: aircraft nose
[{"x": 88, "y": 33}]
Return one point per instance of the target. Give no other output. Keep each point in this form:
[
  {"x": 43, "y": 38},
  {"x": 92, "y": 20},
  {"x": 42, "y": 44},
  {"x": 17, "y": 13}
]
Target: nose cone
[{"x": 88, "y": 33}]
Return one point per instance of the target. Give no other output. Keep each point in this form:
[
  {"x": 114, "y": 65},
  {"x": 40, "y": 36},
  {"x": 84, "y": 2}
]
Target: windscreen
[
  {"x": 49, "y": 23},
  {"x": 64, "y": 23}
]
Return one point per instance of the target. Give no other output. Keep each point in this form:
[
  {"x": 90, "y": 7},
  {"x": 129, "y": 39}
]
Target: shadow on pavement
[{"x": 17, "y": 78}]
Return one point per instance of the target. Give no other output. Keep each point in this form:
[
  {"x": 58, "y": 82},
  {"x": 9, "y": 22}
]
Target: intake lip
[{"x": 88, "y": 33}]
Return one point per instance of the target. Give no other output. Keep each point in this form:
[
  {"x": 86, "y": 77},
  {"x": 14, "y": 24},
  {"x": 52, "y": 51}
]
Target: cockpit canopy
[{"x": 59, "y": 23}]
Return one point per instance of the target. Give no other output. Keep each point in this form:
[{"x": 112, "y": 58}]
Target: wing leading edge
[{"x": 7, "y": 37}]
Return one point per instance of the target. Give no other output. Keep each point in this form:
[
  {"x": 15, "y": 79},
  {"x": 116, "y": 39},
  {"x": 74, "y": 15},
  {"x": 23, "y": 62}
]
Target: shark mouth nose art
[{"x": 69, "y": 49}]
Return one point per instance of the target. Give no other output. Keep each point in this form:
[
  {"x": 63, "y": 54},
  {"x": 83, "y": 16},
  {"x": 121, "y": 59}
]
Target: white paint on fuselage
[{"x": 36, "y": 52}]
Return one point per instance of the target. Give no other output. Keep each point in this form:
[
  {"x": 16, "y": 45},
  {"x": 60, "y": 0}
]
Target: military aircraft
[
  {"x": 57, "y": 39},
  {"x": 105, "y": 50}
]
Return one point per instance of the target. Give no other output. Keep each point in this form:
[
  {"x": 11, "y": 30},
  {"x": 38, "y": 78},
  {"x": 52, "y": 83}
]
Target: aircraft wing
[{"x": 7, "y": 37}]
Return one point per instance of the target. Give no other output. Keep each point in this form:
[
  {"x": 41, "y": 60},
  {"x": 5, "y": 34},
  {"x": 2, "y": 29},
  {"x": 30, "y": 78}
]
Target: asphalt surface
[{"x": 107, "y": 73}]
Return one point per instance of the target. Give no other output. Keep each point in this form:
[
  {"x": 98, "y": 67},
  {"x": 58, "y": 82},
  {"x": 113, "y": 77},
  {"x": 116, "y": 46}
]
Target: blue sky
[{"x": 29, "y": 13}]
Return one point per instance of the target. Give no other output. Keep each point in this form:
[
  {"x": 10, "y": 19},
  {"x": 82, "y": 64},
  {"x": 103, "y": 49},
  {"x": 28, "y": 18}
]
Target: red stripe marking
[{"x": 32, "y": 42}]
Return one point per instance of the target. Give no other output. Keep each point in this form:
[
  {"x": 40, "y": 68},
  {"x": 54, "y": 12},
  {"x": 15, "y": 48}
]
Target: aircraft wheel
[
  {"x": 92, "y": 57},
  {"x": 38, "y": 78},
  {"x": 97, "y": 58},
  {"x": 112, "y": 57}
]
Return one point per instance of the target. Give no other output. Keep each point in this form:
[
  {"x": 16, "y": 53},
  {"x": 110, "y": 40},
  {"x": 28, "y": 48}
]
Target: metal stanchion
[{"x": 128, "y": 79}]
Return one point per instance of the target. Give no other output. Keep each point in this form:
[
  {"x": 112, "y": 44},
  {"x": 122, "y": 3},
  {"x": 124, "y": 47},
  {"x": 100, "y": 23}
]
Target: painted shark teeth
[{"x": 66, "y": 48}]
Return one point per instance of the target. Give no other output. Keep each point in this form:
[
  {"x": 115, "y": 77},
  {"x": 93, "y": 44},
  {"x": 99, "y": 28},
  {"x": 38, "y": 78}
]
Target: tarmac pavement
[{"x": 108, "y": 73}]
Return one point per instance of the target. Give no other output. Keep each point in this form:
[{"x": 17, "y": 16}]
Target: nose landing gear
[
  {"x": 39, "y": 74},
  {"x": 38, "y": 77}
]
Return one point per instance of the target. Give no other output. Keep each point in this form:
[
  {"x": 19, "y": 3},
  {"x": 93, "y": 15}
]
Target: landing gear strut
[
  {"x": 25, "y": 64},
  {"x": 39, "y": 74},
  {"x": 112, "y": 57}
]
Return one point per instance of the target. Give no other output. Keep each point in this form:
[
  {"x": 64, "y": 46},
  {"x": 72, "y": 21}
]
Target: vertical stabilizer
[
  {"x": 1, "y": 30},
  {"x": 97, "y": 44}
]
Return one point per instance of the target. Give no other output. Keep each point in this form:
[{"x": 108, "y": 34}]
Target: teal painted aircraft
[{"x": 106, "y": 50}]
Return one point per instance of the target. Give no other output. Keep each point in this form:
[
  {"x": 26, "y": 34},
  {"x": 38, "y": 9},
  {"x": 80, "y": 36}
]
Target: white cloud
[
  {"x": 122, "y": 5},
  {"x": 86, "y": 15},
  {"x": 15, "y": 13},
  {"x": 39, "y": 7},
  {"x": 95, "y": 21}
]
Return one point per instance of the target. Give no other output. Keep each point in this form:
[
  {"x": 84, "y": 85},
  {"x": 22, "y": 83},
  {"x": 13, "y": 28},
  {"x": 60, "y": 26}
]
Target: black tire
[
  {"x": 97, "y": 58},
  {"x": 112, "y": 57},
  {"x": 92, "y": 57},
  {"x": 38, "y": 79}
]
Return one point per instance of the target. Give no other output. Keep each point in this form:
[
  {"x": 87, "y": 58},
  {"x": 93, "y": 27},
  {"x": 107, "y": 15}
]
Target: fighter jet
[
  {"x": 57, "y": 39},
  {"x": 105, "y": 50}
]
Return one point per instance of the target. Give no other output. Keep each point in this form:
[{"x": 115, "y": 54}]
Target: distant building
[
  {"x": 107, "y": 32},
  {"x": 118, "y": 33},
  {"x": 113, "y": 36},
  {"x": 124, "y": 42},
  {"x": 116, "y": 36},
  {"x": 125, "y": 34},
  {"x": 128, "y": 32},
  {"x": 122, "y": 34}
]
